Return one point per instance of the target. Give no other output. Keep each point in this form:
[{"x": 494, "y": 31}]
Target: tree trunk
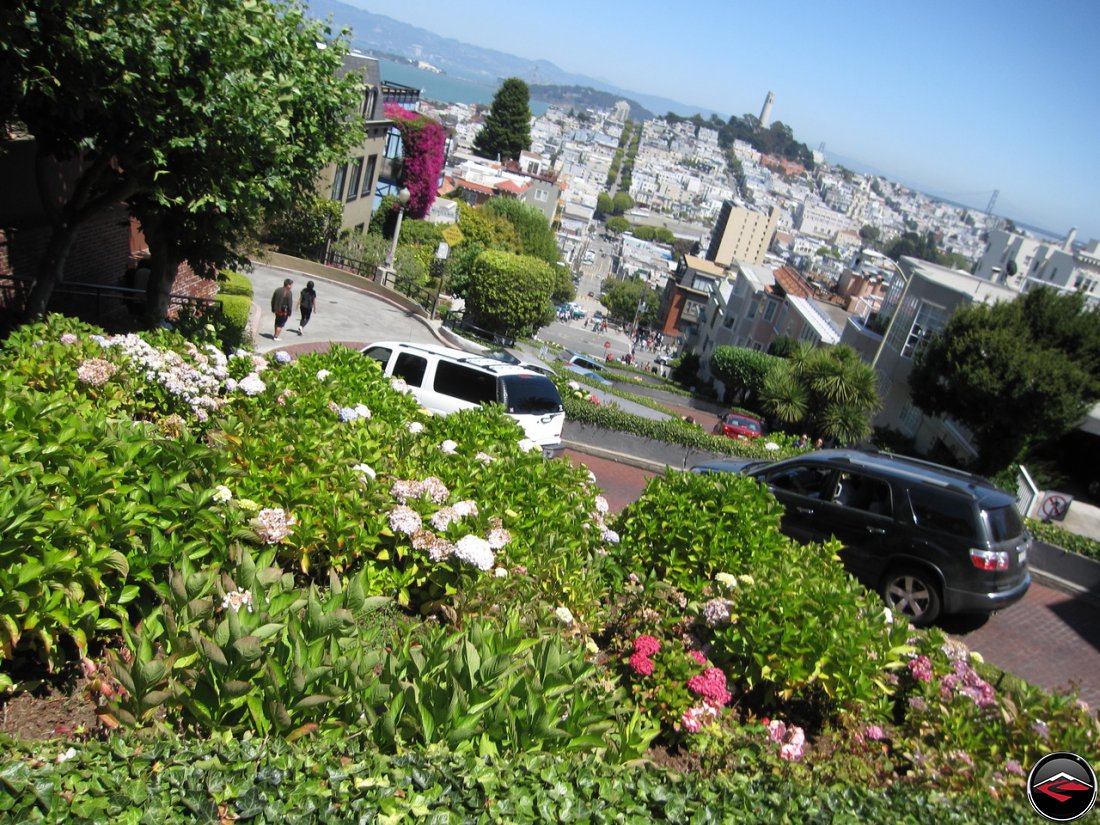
[
  {"x": 50, "y": 268},
  {"x": 163, "y": 264}
]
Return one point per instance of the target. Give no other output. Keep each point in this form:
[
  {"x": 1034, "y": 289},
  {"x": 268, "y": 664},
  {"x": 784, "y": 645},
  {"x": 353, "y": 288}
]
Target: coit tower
[{"x": 766, "y": 112}]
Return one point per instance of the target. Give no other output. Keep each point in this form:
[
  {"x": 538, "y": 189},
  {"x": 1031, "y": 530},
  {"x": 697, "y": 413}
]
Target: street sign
[{"x": 1054, "y": 506}]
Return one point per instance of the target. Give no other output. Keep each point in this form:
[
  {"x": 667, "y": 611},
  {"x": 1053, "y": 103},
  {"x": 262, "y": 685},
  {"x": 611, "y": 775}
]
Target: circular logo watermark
[{"x": 1062, "y": 787}]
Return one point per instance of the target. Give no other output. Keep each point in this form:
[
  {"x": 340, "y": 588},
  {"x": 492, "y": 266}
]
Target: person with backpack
[
  {"x": 282, "y": 304},
  {"x": 307, "y": 302}
]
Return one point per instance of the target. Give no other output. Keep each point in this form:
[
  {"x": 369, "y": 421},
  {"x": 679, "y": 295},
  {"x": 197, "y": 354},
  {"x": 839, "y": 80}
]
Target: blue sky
[{"x": 957, "y": 98}]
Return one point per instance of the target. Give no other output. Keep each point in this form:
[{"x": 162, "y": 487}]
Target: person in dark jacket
[
  {"x": 307, "y": 302},
  {"x": 282, "y": 304}
]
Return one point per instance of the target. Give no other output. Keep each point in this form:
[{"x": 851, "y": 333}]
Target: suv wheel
[{"x": 912, "y": 592}]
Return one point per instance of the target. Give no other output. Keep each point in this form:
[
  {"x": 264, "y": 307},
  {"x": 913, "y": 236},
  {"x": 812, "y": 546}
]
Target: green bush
[
  {"x": 234, "y": 283},
  {"x": 236, "y": 310}
]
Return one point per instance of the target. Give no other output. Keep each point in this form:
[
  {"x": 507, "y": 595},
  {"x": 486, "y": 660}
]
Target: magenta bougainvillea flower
[{"x": 424, "y": 144}]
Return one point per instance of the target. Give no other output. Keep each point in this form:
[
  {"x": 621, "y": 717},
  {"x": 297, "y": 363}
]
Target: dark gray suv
[{"x": 930, "y": 539}]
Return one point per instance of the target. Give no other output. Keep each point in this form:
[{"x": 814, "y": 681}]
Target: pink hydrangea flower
[
  {"x": 647, "y": 645},
  {"x": 711, "y": 684},
  {"x": 641, "y": 664}
]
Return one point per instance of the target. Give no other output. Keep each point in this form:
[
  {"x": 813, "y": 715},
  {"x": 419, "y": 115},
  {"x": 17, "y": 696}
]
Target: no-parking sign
[{"x": 1054, "y": 506}]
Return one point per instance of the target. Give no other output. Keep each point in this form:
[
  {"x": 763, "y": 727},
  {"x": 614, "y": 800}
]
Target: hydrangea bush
[{"x": 292, "y": 546}]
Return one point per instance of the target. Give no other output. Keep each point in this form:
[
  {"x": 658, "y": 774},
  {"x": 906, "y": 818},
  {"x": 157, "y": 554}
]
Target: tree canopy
[
  {"x": 507, "y": 130},
  {"x": 200, "y": 115},
  {"x": 533, "y": 229},
  {"x": 1016, "y": 374},
  {"x": 623, "y": 297},
  {"x": 829, "y": 393}
]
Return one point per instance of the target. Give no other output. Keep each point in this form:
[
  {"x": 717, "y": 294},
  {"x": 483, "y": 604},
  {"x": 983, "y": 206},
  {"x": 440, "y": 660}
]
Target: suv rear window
[
  {"x": 530, "y": 394},
  {"x": 1004, "y": 523},
  {"x": 935, "y": 510}
]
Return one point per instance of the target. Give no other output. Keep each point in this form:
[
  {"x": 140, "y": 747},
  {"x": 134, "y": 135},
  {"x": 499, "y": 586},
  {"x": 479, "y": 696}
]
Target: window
[
  {"x": 930, "y": 320},
  {"x": 380, "y": 354},
  {"x": 769, "y": 309},
  {"x": 368, "y": 175},
  {"x": 860, "y": 492},
  {"x": 393, "y": 143},
  {"x": 471, "y": 385},
  {"x": 1004, "y": 524},
  {"x": 909, "y": 418},
  {"x": 752, "y": 310},
  {"x": 804, "y": 480},
  {"x": 542, "y": 195},
  {"x": 353, "y": 179},
  {"x": 368, "y": 101},
  {"x": 411, "y": 368},
  {"x": 338, "y": 182},
  {"x": 942, "y": 512},
  {"x": 531, "y": 394}
]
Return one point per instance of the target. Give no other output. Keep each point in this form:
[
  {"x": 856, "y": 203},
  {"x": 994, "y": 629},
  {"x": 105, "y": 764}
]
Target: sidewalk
[{"x": 345, "y": 314}]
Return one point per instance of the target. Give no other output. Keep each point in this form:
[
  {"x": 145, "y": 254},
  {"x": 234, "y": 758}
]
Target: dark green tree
[
  {"x": 830, "y": 393},
  {"x": 604, "y": 204},
  {"x": 622, "y": 299},
  {"x": 507, "y": 130},
  {"x": 201, "y": 117},
  {"x": 621, "y": 202},
  {"x": 915, "y": 245},
  {"x": 1016, "y": 374},
  {"x": 869, "y": 234}
]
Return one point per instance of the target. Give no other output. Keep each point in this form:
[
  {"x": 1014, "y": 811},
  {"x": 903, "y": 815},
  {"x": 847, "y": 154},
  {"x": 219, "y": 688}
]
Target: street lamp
[
  {"x": 441, "y": 253},
  {"x": 402, "y": 199}
]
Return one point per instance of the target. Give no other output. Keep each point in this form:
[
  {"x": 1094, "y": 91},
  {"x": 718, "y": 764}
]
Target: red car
[{"x": 737, "y": 425}]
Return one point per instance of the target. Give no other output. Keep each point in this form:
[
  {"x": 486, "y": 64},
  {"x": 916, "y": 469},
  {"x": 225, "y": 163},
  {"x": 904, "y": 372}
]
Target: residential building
[
  {"x": 685, "y": 298},
  {"x": 917, "y": 305},
  {"x": 741, "y": 234},
  {"x": 819, "y": 221},
  {"x": 352, "y": 183},
  {"x": 1024, "y": 263}
]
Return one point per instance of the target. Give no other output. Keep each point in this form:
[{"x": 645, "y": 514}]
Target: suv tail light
[{"x": 989, "y": 559}]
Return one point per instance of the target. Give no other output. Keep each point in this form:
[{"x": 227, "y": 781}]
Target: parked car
[
  {"x": 930, "y": 539},
  {"x": 590, "y": 374},
  {"x": 739, "y": 425},
  {"x": 578, "y": 359},
  {"x": 445, "y": 380}
]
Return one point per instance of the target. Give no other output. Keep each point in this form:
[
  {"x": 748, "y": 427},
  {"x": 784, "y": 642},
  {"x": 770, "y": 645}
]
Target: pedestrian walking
[
  {"x": 282, "y": 304},
  {"x": 307, "y": 302}
]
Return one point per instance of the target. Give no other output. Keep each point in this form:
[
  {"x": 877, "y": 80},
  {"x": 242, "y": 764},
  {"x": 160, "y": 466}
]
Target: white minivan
[{"x": 445, "y": 380}]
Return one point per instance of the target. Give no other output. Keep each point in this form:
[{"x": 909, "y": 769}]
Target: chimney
[{"x": 1070, "y": 238}]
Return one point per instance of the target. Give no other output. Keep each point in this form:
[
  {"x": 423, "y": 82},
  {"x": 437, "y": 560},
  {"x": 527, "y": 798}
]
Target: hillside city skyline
[{"x": 921, "y": 124}]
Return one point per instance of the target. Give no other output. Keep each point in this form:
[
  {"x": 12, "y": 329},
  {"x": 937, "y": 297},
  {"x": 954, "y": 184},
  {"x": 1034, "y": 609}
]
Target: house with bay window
[{"x": 917, "y": 305}]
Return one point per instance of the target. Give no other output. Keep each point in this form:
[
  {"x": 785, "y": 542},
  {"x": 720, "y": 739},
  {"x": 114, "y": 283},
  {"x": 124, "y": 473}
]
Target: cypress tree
[{"x": 507, "y": 130}]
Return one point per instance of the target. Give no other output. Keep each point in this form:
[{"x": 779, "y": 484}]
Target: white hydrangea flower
[
  {"x": 484, "y": 458},
  {"x": 573, "y": 385},
  {"x": 362, "y": 410},
  {"x": 365, "y": 469},
  {"x": 282, "y": 356},
  {"x": 601, "y": 505},
  {"x": 399, "y": 385},
  {"x": 610, "y": 536},
  {"x": 222, "y": 494},
  {"x": 323, "y": 374},
  {"x": 415, "y": 427},
  {"x": 449, "y": 447},
  {"x": 236, "y": 599},
  {"x": 771, "y": 445},
  {"x": 501, "y": 572},
  {"x": 252, "y": 385},
  {"x": 726, "y": 579},
  {"x": 476, "y": 551},
  {"x": 564, "y": 615}
]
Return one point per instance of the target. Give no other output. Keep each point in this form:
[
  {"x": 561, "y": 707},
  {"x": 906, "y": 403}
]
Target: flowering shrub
[{"x": 424, "y": 144}]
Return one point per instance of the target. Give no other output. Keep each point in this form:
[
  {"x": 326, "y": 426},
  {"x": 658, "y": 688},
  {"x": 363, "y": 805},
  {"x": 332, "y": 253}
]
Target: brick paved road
[{"x": 1051, "y": 639}]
